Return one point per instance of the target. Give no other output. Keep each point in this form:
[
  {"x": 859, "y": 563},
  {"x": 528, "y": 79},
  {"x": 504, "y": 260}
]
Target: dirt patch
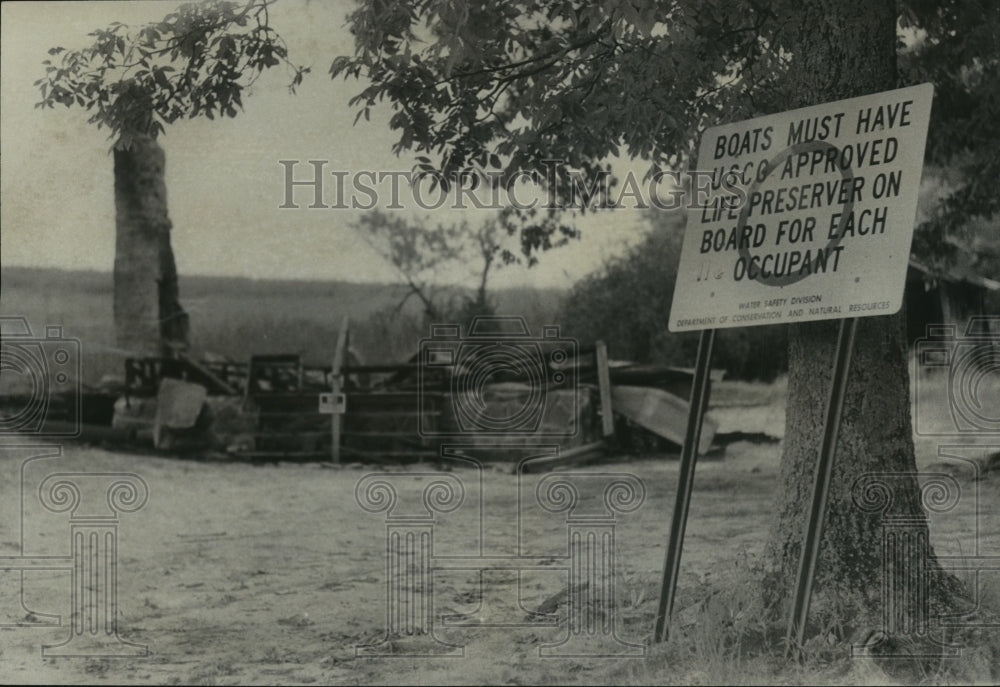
[
  {"x": 264, "y": 574},
  {"x": 234, "y": 573}
]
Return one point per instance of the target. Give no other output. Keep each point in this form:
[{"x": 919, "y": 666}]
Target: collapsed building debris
[{"x": 275, "y": 407}]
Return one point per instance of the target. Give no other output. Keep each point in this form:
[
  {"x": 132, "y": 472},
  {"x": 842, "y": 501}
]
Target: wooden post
[
  {"x": 604, "y": 383},
  {"x": 337, "y": 387}
]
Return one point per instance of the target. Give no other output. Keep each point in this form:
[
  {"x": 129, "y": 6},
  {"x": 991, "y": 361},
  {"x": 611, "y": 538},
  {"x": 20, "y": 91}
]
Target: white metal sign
[
  {"x": 808, "y": 216},
  {"x": 333, "y": 403}
]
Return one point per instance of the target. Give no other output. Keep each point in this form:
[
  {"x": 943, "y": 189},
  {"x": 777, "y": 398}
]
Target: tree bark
[
  {"x": 149, "y": 319},
  {"x": 843, "y": 49}
]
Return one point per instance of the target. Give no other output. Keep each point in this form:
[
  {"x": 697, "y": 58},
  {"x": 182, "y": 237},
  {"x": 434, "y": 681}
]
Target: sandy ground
[
  {"x": 266, "y": 574},
  {"x": 234, "y": 573}
]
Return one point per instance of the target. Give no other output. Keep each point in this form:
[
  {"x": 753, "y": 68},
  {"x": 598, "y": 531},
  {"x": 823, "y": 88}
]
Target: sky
[{"x": 224, "y": 181}]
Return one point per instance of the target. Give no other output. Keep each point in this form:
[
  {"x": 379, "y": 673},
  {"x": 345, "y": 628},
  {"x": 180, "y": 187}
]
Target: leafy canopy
[
  {"x": 957, "y": 48},
  {"x": 195, "y": 61},
  {"x": 509, "y": 85},
  {"x": 514, "y": 85}
]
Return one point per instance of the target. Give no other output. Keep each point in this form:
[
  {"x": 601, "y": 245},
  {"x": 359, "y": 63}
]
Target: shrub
[{"x": 627, "y": 303}]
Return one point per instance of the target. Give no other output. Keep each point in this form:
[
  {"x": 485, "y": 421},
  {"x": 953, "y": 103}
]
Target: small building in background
[{"x": 946, "y": 296}]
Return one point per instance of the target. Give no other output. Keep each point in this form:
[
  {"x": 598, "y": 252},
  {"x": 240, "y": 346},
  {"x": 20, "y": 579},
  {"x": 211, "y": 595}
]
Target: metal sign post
[
  {"x": 685, "y": 482},
  {"x": 809, "y": 217},
  {"x": 821, "y": 486}
]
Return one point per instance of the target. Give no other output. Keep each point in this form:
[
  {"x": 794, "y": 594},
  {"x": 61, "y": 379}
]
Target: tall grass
[{"x": 237, "y": 317}]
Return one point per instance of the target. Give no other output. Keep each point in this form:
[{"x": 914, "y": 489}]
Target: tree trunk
[
  {"x": 843, "y": 49},
  {"x": 148, "y": 316}
]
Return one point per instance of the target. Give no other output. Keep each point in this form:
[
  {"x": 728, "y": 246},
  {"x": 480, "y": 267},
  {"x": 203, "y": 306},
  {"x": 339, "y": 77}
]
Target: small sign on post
[
  {"x": 333, "y": 403},
  {"x": 336, "y": 396},
  {"x": 808, "y": 216}
]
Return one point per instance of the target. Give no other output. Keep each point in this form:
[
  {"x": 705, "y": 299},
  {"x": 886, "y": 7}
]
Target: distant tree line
[{"x": 627, "y": 305}]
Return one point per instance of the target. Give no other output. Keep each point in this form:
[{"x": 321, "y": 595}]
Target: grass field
[{"x": 235, "y": 317}]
